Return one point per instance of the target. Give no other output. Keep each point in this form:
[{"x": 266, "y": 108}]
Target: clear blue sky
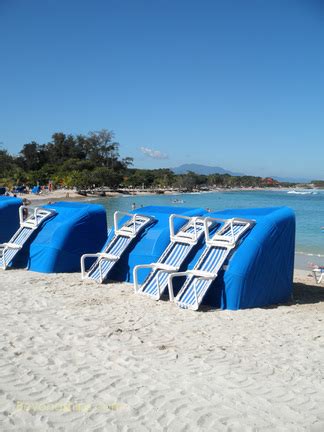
[{"x": 233, "y": 83}]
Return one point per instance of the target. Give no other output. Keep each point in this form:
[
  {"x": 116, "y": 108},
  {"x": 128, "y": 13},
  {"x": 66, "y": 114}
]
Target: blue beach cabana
[
  {"x": 58, "y": 244},
  {"x": 259, "y": 272},
  {"x": 9, "y": 217}
]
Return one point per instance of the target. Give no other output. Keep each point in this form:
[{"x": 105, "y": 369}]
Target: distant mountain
[
  {"x": 207, "y": 170},
  {"x": 202, "y": 170}
]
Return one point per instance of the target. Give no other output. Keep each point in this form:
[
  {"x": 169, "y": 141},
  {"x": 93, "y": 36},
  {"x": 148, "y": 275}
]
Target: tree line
[{"x": 93, "y": 160}]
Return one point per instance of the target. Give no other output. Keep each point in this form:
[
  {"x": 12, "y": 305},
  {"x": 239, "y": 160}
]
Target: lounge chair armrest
[
  {"x": 188, "y": 273},
  {"x": 108, "y": 256},
  {"x": 170, "y": 282},
  {"x": 11, "y": 245},
  {"x": 201, "y": 274},
  {"x": 135, "y": 274},
  {"x": 165, "y": 267},
  {"x": 90, "y": 255},
  {"x": 158, "y": 267},
  {"x": 82, "y": 262},
  {"x": 180, "y": 274},
  {"x": 318, "y": 274}
]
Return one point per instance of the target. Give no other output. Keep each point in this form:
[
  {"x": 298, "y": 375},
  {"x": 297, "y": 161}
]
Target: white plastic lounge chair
[
  {"x": 217, "y": 249},
  {"x": 113, "y": 250},
  {"x": 174, "y": 255},
  {"x": 318, "y": 272},
  {"x": 27, "y": 227}
]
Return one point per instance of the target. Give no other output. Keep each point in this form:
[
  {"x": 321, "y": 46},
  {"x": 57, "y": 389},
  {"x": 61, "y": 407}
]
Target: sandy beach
[
  {"x": 73, "y": 195},
  {"x": 78, "y": 356},
  {"x": 56, "y": 195}
]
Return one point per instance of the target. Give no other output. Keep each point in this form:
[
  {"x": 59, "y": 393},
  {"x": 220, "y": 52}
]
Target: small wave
[
  {"x": 309, "y": 254},
  {"x": 178, "y": 201},
  {"x": 300, "y": 193}
]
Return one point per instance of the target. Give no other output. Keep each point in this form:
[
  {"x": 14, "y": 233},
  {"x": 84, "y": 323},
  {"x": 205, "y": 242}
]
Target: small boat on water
[{"x": 178, "y": 201}]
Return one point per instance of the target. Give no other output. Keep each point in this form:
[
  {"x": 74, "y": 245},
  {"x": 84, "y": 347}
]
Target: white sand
[
  {"x": 71, "y": 195},
  {"x": 81, "y": 357},
  {"x": 57, "y": 195}
]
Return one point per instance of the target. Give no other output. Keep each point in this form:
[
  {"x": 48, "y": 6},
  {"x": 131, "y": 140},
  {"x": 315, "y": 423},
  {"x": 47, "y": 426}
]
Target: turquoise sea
[{"x": 308, "y": 207}]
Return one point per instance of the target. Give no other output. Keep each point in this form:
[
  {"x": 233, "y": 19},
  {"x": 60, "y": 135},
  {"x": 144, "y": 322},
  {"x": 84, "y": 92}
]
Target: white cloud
[{"x": 155, "y": 154}]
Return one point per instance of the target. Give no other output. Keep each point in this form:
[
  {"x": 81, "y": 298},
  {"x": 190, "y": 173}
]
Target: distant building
[{"x": 269, "y": 181}]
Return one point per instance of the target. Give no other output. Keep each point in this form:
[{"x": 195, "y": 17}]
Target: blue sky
[{"x": 238, "y": 84}]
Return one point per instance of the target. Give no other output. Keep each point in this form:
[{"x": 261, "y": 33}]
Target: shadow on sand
[
  {"x": 307, "y": 294},
  {"x": 302, "y": 294}
]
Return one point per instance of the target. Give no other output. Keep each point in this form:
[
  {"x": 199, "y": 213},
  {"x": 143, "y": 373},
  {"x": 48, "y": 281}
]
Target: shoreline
[{"x": 71, "y": 194}]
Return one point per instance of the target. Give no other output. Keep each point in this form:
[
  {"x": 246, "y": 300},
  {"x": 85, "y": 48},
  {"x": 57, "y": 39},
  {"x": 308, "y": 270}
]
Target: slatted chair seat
[
  {"x": 114, "y": 249},
  {"x": 181, "y": 244},
  {"x": 27, "y": 227},
  {"x": 218, "y": 247},
  {"x": 318, "y": 273}
]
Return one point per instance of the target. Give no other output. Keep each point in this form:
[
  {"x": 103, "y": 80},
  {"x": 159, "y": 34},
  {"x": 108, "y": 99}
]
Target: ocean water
[{"x": 308, "y": 207}]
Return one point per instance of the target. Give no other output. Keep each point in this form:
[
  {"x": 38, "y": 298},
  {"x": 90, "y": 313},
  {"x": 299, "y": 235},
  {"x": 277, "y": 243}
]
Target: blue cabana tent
[
  {"x": 152, "y": 242},
  {"x": 260, "y": 271},
  {"x": 57, "y": 246},
  {"x": 9, "y": 217},
  {"x": 36, "y": 189},
  {"x": 19, "y": 189}
]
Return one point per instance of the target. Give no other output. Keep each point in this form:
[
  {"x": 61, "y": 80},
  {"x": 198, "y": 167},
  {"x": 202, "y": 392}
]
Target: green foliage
[
  {"x": 93, "y": 160},
  {"x": 106, "y": 177},
  {"x": 318, "y": 183},
  {"x": 78, "y": 179},
  {"x": 138, "y": 178},
  {"x": 76, "y": 161},
  {"x": 190, "y": 181},
  {"x": 7, "y": 163}
]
